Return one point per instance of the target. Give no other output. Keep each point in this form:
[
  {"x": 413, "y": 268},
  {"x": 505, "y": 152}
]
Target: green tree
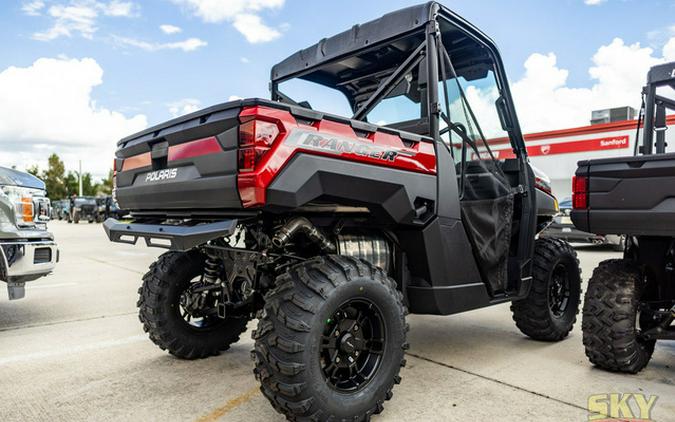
[
  {"x": 89, "y": 187},
  {"x": 34, "y": 170},
  {"x": 107, "y": 184},
  {"x": 70, "y": 184},
  {"x": 54, "y": 177}
]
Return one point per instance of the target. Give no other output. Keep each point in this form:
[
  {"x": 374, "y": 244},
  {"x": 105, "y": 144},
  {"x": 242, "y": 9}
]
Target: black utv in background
[
  {"x": 630, "y": 302},
  {"x": 107, "y": 208},
  {"x": 83, "y": 208},
  {"x": 330, "y": 229}
]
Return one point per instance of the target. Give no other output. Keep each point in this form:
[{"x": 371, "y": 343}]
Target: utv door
[{"x": 496, "y": 201}]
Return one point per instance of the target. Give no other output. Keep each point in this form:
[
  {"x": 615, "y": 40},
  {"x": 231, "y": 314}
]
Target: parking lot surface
[{"x": 73, "y": 350}]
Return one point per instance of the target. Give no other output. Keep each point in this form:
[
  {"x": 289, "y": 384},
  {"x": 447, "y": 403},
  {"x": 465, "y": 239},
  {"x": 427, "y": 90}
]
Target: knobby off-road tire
[
  {"x": 610, "y": 312},
  {"x": 549, "y": 313},
  {"x": 293, "y": 339},
  {"x": 159, "y": 312}
]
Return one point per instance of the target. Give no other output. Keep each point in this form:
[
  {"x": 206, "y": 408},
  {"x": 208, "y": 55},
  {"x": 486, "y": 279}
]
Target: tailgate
[
  {"x": 186, "y": 163},
  {"x": 629, "y": 195}
]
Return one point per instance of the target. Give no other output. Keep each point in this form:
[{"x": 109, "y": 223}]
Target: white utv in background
[{"x": 27, "y": 249}]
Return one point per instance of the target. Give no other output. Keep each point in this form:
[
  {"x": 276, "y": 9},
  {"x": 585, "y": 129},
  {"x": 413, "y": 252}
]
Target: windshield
[{"x": 470, "y": 121}]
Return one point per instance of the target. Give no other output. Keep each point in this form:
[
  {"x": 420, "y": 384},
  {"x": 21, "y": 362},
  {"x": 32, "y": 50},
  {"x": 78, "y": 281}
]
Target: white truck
[{"x": 27, "y": 250}]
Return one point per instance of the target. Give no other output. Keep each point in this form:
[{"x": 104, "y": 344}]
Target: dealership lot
[{"x": 74, "y": 350}]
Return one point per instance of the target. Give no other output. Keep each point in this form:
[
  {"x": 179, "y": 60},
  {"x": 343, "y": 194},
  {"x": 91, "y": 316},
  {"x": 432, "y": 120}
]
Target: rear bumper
[
  {"x": 179, "y": 238},
  {"x": 27, "y": 261}
]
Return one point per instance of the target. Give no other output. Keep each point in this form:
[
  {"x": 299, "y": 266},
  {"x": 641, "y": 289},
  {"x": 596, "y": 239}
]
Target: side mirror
[{"x": 504, "y": 116}]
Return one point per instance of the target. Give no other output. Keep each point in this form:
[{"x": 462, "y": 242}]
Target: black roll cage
[
  {"x": 428, "y": 50},
  {"x": 655, "y": 107}
]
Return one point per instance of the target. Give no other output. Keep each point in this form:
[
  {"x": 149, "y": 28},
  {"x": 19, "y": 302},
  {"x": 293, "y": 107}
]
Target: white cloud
[
  {"x": 594, "y": 2},
  {"x": 190, "y": 44},
  {"x": 234, "y": 98},
  {"x": 33, "y": 8},
  {"x": 118, "y": 8},
  {"x": 244, "y": 60},
  {"x": 170, "y": 29},
  {"x": 254, "y": 30},
  {"x": 80, "y": 17},
  {"x": 184, "y": 106},
  {"x": 243, "y": 14},
  {"x": 53, "y": 110},
  {"x": 669, "y": 50},
  {"x": 225, "y": 10},
  {"x": 545, "y": 101}
]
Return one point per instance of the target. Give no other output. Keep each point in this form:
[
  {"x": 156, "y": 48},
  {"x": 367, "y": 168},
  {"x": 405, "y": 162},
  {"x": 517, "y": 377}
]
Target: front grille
[{"x": 42, "y": 255}]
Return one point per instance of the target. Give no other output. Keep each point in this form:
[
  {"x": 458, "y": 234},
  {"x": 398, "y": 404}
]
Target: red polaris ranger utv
[{"x": 330, "y": 229}]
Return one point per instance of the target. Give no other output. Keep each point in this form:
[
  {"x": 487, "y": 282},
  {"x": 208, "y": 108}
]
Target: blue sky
[{"x": 227, "y": 47}]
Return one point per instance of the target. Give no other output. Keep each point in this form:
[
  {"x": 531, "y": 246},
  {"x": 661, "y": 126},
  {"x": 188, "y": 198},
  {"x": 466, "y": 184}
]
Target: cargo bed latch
[{"x": 160, "y": 154}]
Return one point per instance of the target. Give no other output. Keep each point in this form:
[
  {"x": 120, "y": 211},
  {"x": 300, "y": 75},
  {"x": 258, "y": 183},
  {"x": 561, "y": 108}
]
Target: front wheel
[
  {"x": 550, "y": 309},
  {"x": 331, "y": 340},
  {"x": 177, "y": 316}
]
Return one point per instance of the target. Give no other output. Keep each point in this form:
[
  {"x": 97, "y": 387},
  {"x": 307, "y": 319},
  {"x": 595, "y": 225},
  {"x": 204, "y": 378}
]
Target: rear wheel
[
  {"x": 612, "y": 322},
  {"x": 331, "y": 340},
  {"x": 550, "y": 309},
  {"x": 178, "y": 314}
]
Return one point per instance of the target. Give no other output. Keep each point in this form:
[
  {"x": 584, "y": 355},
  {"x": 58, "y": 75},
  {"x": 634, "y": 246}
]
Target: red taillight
[
  {"x": 255, "y": 139},
  {"x": 542, "y": 185},
  {"x": 579, "y": 192}
]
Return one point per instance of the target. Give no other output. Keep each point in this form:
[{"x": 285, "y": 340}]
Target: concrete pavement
[{"x": 73, "y": 350}]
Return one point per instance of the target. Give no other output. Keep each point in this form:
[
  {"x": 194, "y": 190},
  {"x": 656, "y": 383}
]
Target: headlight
[{"x": 22, "y": 199}]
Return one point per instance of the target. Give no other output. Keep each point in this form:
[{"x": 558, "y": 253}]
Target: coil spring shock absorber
[{"x": 211, "y": 269}]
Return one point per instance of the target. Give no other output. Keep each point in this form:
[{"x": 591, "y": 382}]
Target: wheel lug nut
[
  {"x": 356, "y": 328},
  {"x": 337, "y": 333},
  {"x": 337, "y": 359}
]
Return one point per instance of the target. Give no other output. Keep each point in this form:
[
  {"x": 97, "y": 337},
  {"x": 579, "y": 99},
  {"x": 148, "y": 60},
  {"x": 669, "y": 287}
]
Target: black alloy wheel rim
[
  {"x": 352, "y": 345},
  {"x": 559, "y": 291}
]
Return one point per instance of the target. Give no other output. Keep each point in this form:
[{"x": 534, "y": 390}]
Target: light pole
[{"x": 79, "y": 176}]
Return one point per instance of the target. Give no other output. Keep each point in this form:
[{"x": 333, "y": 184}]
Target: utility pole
[{"x": 79, "y": 176}]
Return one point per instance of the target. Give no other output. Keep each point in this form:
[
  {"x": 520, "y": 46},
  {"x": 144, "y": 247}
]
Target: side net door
[{"x": 469, "y": 114}]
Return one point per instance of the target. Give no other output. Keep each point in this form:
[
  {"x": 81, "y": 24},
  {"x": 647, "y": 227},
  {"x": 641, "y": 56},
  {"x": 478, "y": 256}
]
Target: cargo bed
[
  {"x": 181, "y": 163},
  {"x": 628, "y": 195},
  {"x": 189, "y": 166}
]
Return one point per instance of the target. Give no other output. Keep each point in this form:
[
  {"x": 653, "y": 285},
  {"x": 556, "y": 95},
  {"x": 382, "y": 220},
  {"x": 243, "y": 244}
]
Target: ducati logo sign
[
  {"x": 340, "y": 145},
  {"x": 159, "y": 175}
]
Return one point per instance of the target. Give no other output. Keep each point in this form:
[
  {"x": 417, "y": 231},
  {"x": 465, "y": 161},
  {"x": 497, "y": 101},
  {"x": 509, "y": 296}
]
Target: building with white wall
[{"x": 557, "y": 152}]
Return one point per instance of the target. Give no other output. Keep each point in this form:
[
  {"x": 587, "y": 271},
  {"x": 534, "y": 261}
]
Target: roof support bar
[{"x": 390, "y": 83}]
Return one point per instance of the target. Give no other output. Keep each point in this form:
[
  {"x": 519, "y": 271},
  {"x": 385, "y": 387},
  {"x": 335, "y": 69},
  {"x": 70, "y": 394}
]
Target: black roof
[{"x": 391, "y": 25}]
